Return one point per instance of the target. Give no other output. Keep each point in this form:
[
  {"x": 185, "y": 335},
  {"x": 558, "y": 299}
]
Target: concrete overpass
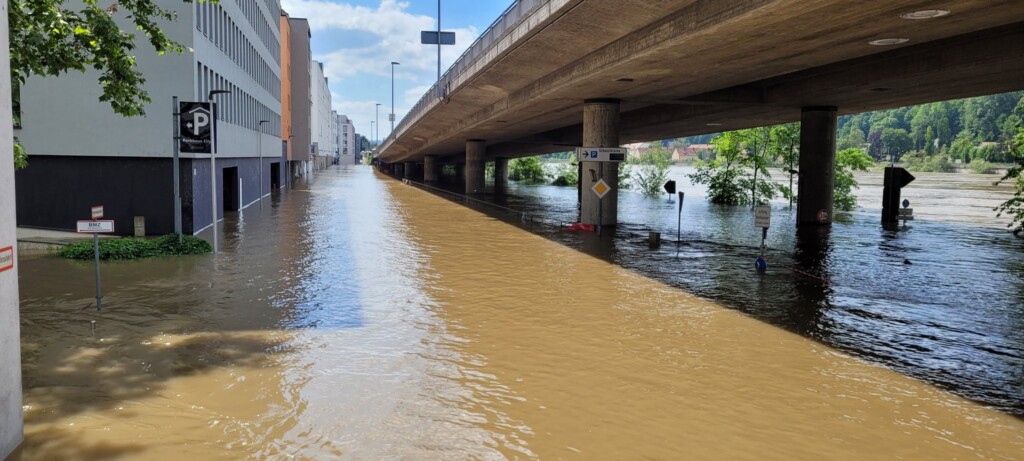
[{"x": 672, "y": 68}]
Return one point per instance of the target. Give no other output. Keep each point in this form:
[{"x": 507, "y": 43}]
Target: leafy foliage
[
  {"x": 739, "y": 173},
  {"x": 649, "y": 171},
  {"x": 848, "y": 161},
  {"x": 132, "y": 248},
  {"x": 567, "y": 174},
  {"x": 920, "y": 161},
  {"x": 48, "y": 38},
  {"x": 527, "y": 169},
  {"x": 1014, "y": 207}
]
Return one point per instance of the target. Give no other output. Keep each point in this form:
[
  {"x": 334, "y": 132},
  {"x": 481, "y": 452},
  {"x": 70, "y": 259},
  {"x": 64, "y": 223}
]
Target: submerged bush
[{"x": 133, "y": 248}]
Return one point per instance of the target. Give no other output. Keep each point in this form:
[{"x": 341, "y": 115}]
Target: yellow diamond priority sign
[{"x": 601, "y": 188}]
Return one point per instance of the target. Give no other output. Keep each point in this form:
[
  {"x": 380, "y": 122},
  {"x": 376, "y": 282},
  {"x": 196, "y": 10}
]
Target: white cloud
[
  {"x": 364, "y": 72},
  {"x": 397, "y": 32}
]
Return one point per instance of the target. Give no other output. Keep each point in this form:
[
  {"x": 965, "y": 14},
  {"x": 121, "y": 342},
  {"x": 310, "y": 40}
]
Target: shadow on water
[{"x": 938, "y": 301}]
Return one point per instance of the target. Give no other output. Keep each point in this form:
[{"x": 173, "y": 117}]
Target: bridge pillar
[
  {"x": 600, "y": 129},
  {"x": 430, "y": 168},
  {"x": 500, "y": 174},
  {"x": 475, "y": 150},
  {"x": 410, "y": 170},
  {"x": 817, "y": 166}
]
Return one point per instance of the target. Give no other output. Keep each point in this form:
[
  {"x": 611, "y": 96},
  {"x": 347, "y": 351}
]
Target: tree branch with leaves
[{"x": 48, "y": 38}]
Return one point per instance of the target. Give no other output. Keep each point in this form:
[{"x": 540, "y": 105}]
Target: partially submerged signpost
[
  {"x": 600, "y": 187},
  {"x": 96, "y": 227},
  {"x": 762, "y": 219}
]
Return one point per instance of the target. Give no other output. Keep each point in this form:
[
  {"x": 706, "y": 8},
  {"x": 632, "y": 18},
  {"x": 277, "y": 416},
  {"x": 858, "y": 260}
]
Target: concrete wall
[{"x": 11, "y": 428}]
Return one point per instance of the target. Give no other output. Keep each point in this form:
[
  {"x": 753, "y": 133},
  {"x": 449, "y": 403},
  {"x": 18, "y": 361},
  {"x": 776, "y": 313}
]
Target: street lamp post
[
  {"x": 392, "y": 115},
  {"x": 376, "y": 117},
  {"x": 260, "y": 150},
  {"x": 372, "y": 132},
  {"x": 213, "y": 162}
]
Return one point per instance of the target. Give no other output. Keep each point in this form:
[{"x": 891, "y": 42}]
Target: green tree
[
  {"x": 1014, "y": 207},
  {"x": 896, "y": 142},
  {"x": 567, "y": 173},
  {"x": 728, "y": 179},
  {"x": 649, "y": 170},
  {"x": 527, "y": 169},
  {"x": 786, "y": 147},
  {"x": 721, "y": 174},
  {"x": 49, "y": 38},
  {"x": 929, "y": 141},
  {"x": 848, "y": 161}
]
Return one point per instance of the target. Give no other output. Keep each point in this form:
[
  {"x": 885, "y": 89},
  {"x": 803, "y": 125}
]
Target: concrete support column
[
  {"x": 817, "y": 166},
  {"x": 475, "y": 150},
  {"x": 430, "y": 168},
  {"x": 410, "y": 170},
  {"x": 500, "y": 174},
  {"x": 10, "y": 335},
  {"x": 600, "y": 129}
]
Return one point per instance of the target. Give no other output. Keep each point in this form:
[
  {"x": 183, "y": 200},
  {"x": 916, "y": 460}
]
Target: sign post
[
  {"x": 96, "y": 227},
  {"x": 600, "y": 189},
  {"x": 679, "y": 221},
  {"x": 762, "y": 219},
  {"x": 905, "y": 214},
  {"x": 198, "y": 126}
]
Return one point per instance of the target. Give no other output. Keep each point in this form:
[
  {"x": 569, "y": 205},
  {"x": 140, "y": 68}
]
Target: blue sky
[{"x": 357, "y": 40}]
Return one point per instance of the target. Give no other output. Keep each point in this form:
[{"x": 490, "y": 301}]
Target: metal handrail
[{"x": 505, "y": 22}]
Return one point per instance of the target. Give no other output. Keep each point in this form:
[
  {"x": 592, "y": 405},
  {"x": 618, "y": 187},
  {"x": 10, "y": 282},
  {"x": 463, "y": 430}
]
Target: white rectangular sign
[
  {"x": 763, "y": 216},
  {"x": 95, "y": 227},
  {"x": 97, "y": 212},
  {"x": 601, "y": 154}
]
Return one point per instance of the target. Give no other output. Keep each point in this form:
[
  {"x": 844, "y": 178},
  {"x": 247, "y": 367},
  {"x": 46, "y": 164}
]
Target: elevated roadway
[{"x": 684, "y": 67}]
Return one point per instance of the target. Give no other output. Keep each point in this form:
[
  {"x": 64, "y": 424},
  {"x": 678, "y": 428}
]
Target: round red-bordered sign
[{"x": 823, "y": 216}]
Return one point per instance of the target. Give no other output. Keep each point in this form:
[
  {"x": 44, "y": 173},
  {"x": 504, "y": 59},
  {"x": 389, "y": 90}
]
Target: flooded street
[{"x": 356, "y": 317}]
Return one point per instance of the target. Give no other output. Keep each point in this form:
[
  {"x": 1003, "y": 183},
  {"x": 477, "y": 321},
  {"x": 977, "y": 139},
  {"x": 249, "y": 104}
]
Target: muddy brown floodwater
[{"x": 355, "y": 317}]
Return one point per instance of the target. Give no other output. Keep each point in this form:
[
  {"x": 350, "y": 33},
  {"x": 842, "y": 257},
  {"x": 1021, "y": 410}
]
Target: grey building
[{"x": 81, "y": 153}]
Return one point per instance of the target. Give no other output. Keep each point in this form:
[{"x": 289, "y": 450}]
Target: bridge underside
[{"x": 691, "y": 67}]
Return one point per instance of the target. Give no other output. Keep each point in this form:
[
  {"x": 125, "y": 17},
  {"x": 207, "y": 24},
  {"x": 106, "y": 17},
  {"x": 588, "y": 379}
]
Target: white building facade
[
  {"x": 348, "y": 141},
  {"x": 320, "y": 116},
  {"x": 75, "y": 141}
]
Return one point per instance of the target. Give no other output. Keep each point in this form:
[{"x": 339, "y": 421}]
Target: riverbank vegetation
[
  {"x": 135, "y": 248},
  {"x": 648, "y": 172}
]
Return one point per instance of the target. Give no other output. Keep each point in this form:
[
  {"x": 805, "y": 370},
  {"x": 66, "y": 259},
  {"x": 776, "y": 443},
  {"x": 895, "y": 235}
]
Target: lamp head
[
  {"x": 212, "y": 93},
  {"x": 393, "y": 63}
]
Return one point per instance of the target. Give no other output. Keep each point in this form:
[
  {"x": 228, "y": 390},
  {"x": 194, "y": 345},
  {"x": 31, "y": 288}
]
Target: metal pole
[
  {"x": 96, "y": 254},
  {"x": 177, "y": 172},
  {"x": 439, "y": 43},
  {"x": 213, "y": 171},
  {"x": 392, "y": 116},
  {"x": 679, "y": 220},
  {"x": 376, "y": 118}
]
